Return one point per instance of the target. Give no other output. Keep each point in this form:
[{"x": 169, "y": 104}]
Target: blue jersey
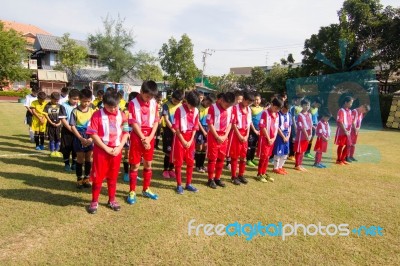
[
  {"x": 68, "y": 109},
  {"x": 314, "y": 116},
  {"x": 256, "y": 112}
]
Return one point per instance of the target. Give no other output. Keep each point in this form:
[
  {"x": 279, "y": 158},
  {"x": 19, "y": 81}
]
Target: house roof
[
  {"x": 50, "y": 43},
  {"x": 26, "y": 30},
  {"x": 87, "y": 75}
]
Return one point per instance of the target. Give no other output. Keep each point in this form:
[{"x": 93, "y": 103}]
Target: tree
[
  {"x": 225, "y": 82},
  {"x": 258, "y": 78},
  {"x": 72, "y": 56},
  {"x": 276, "y": 78},
  {"x": 147, "y": 67},
  {"x": 12, "y": 54},
  {"x": 177, "y": 60},
  {"x": 113, "y": 48}
]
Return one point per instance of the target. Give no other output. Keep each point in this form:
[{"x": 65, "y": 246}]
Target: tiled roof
[
  {"x": 23, "y": 28},
  {"x": 87, "y": 75},
  {"x": 50, "y": 43}
]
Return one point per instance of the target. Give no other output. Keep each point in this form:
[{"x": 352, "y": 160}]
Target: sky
[{"x": 237, "y": 33}]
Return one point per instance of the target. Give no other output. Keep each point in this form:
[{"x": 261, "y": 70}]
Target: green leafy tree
[
  {"x": 258, "y": 78},
  {"x": 147, "y": 67},
  {"x": 72, "y": 56},
  {"x": 12, "y": 54},
  {"x": 276, "y": 78},
  {"x": 225, "y": 82},
  {"x": 177, "y": 60},
  {"x": 113, "y": 47}
]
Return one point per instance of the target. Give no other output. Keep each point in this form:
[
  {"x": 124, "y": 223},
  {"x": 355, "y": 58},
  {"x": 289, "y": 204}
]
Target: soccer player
[
  {"x": 108, "y": 128},
  {"x": 357, "y": 116},
  {"x": 143, "y": 118},
  {"x": 219, "y": 121},
  {"x": 269, "y": 124},
  {"x": 52, "y": 113},
  {"x": 64, "y": 95},
  {"x": 303, "y": 134},
  {"x": 295, "y": 109},
  {"x": 315, "y": 105},
  {"x": 29, "y": 113},
  {"x": 39, "y": 120},
  {"x": 238, "y": 142},
  {"x": 186, "y": 123},
  {"x": 344, "y": 122},
  {"x": 256, "y": 112},
  {"x": 323, "y": 133},
  {"x": 83, "y": 143},
  {"x": 168, "y": 112}
]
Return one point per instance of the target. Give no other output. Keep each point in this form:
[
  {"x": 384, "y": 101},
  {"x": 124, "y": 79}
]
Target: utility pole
[{"x": 205, "y": 53}]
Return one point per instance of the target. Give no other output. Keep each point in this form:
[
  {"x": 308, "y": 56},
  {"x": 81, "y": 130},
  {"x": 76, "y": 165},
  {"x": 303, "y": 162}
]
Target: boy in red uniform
[
  {"x": 186, "y": 123},
  {"x": 303, "y": 134},
  {"x": 323, "y": 133},
  {"x": 357, "y": 115},
  {"x": 143, "y": 118},
  {"x": 238, "y": 142},
  {"x": 344, "y": 122},
  {"x": 219, "y": 119},
  {"x": 269, "y": 124},
  {"x": 108, "y": 128}
]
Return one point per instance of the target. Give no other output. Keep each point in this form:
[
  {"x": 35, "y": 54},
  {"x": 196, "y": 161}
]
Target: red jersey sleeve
[
  {"x": 210, "y": 115},
  {"x": 300, "y": 122},
  {"x": 157, "y": 119},
  {"x": 177, "y": 119},
  {"x": 319, "y": 130},
  {"x": 340, "y": 116},
  {"x": 94, "y": 123},
  {"x": 124, "y": 124},
  {"x": 196, "y": 122},
  {"x": 234, "y": 119},
  {"x": 131, "y": 113},
  {"x": 263, "y": 120}
]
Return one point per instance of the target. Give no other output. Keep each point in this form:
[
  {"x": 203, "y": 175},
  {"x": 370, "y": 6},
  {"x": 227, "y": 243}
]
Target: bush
[
  {"x": 385, "y": 101},
  {"x": 18, "y": 93}
]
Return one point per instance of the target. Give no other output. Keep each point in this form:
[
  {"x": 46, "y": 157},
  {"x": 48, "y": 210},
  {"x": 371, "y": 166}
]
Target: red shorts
[
  {"x": 264, "y": 150},
  {"x": 300, "y": 146},
  {"x": 353, "y": 137},
  {"x": 137, "y": 150},
  {"x": 181, "y": 154},
  {"x": 104, "y": 165},
  {"x": 216, "y": 150},
  {"x": 237, "y": 149},
  {"x": 343, "y": 140},
  {"x": 320, "y": 145}
]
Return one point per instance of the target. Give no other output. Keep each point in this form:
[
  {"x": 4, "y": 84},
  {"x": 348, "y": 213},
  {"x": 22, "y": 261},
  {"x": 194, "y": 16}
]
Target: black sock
[
  {"x": 126, "y": 167},
  {"x": 74, "y": 161},
  {"x": 197, "y": 158},
  {"x": 171, "y": 167},
  {"x": 202, "y": 159},
  {"x": 41, "y": 139},
  {"x": 79, "y": 171},
  {"x": 88, "y": 167},
  {"x": 166, "y": 162},
  {"x": 36, "y": 137}
]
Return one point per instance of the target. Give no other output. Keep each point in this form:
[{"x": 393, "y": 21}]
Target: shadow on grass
[
  {"x": 31, "y": 162},
  {"x": 22, "y": 138},
  {"x": 29, "y": 145},
  {"x": 37, "y": 195}
]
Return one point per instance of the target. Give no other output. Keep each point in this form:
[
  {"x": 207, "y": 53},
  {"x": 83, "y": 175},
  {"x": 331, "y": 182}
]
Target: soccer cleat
[
  {"x": 211, "y": 184},
  {"x": 283, "y": 170},
  {"x": 131, "y": 199},
  {"x": 262, "y": 178},
  {"x": 126, "y": 177},
  {"x": 345, "y": 162},
  {"x": 309, "y": 155},
  {"x": 41, "y": 147},
  {"x": 236, "y": 181},
  {"x": 73, "y": 166},
  {"x": 79, "y": 184},
  {"x": 268, "y": 178},
  {"x": 250, "y": 163},
  {"x": 92, "y": 209},
  {"x": 148, "y": 194},
  {"x": 114, "y": 206},
  {"x": 59, "y": 154},
  {"x": 38, "y": 148},
  {"x": 86, "y": 182},
  {"x": 323, "y": 165},
  {"x": 278, "y": 171},
  {"x": 191, "y": 188},
  {"x": 243, "y": 180},
  {"x": 318, "y": 165},
  {"x": 172, "y": 174},
  {"x": 228, "y": 167},
  {"x": 165, "y": 174},
  {"x": 255, "y": 162},
  {"x": 339, "y": 163},
  {"x": 291, "y": 158},
  {"x": 218, "y": 182},
  {"x": 179, "y": 190},
  {"x": 200, "y": 170},
  {"x": 353, "y": 159},
  {"x": 67, "y": 168},
  {"x": 348, "y": 160},
  {"x": 53, "y": 154},
  {"x": 299, "y": 168}
]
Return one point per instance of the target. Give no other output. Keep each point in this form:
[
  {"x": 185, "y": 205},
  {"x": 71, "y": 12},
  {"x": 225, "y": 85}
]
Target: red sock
[
  {"x": 218, "y": 168},
  {"x": 234, "y": 163},
  {"x": 301, "y": 156},
  {"x": 210, "y": 169},
  {"x": 344, "y": 153},
  {"x": 132, "y": 180},
  {"x": 339, "y": 152},
  {"x": 242, "y": 167},
  {"x": 189, "y": 174},
  {"x": 96, "y": 188},
  {"x": 318, "y": 157},
  {"x": 178, "y": 173},
  {"x": 112, "y": 187},
  {"x": 260, "y": 166},
  {"x": 265, "y": 166},
  {"x": 297, "y": 159},
  {"x": 146, "y": 178}
]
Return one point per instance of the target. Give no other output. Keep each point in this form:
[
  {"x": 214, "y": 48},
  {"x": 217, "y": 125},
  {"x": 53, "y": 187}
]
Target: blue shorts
[
  {"x": 199, "y": 137},
  {"x": 78, "y": 145}
]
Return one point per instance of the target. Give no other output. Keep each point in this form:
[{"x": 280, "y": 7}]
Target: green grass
[{"x": 44, "y": 221}]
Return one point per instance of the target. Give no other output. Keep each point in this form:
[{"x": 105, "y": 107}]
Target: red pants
[
  {"x": 216, "y": 153},
  {"x": 237, "y": 149},
  {"x": 137, "y": 150},
  {"x": 179, "y": 154}
]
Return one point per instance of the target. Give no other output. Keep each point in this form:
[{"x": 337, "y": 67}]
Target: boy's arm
[
  {"x": 202, "y": 129},
  {"x": 254, "y": 129},
  {"x": 214, "y": 132},
  {"x": 98, "y": 142},
  {"x": 66, "y": 124},
  {"x": 181, "y": 139}
]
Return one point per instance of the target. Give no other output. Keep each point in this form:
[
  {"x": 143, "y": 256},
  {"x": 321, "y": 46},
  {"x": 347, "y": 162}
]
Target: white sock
[
  {"x": 282, "y": 161},
  {"x": 276, "y": 161}
]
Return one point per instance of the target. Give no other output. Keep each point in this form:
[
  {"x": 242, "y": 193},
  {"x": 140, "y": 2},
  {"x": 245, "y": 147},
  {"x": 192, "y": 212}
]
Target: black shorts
[
  {"x": 28, "y": 118},
  {"x": 78, "y": 145},
  {"x": 167, "y": 138},
  {"x": 53, "y": 133},
  {"x": 67, "y": 140},
  {"x": 199, "y": 137}
]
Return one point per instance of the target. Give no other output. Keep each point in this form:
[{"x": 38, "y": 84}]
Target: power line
[
  {"x": 260, "y": 49},
  {"x": 205, "y": 53}
]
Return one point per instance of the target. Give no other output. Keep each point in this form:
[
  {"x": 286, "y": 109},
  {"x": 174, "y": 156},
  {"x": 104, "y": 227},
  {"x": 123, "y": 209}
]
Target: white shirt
[
  {"x": 29, "y": 99},
  {"x": 63, "y": 99}
]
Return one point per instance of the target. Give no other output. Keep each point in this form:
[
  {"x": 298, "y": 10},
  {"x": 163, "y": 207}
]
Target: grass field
[{"x": 44, "y": 221}]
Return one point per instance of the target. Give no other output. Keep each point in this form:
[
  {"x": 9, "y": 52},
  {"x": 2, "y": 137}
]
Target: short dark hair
[
  {"x": 85, "y": 93},
  {"x": 277, "y": 102},
  {"x": 110, "y": 89},
  {"x": 347, "y": 99},
  {"x": 100, "y": 92},
  {"x": 111, "y": 98},
  {"x": 35, "y": 89},
  {"x": 42, "y": 95},
  {"x": 248, "y": 96},
  {"x": 318, "y": 100},
  {"x": 229, "y": 97},
  {"x": 64, "y": 90},
  {"x": 325, "y": 113},
  {"x": 256, "y": 94},
  {"x": 55, "y": 96},
  {"x": 73, "y": 93},
  {"x": 219, "y": 95},
  {"x": 149, "y": 87},
  {"x": 177, "y": 95},
  {"x": 238, "y": 93},
  {"x": 304, "y": 101},
  {"x": 132, "y": 95},
  {"x": 211, "y": 97},
  {"x": 286, "y": 105},
  {"x": 192, "y": 98}
]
